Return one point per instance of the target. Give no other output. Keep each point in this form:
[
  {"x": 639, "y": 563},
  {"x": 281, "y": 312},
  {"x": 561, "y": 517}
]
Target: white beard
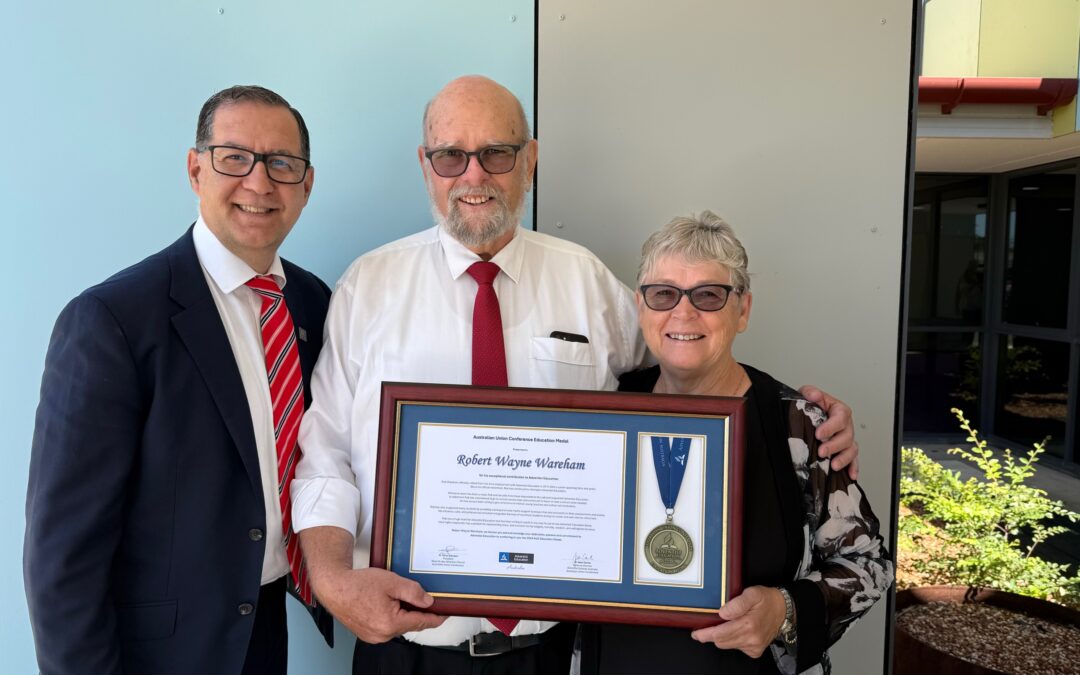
[{"x": 498, "y": 224}]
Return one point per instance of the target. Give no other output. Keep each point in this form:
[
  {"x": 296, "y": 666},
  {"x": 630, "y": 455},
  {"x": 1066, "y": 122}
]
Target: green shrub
[{"x": 969, "y": 533}]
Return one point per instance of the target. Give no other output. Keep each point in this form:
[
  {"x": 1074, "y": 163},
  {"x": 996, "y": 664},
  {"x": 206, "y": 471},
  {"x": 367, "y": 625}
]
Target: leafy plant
[{"x": 982, "y": 532}]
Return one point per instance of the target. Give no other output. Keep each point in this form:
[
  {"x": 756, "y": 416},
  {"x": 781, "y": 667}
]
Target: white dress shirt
[
  {"x": 403, "y": 312},
  {"x": 240, "y": 307}
]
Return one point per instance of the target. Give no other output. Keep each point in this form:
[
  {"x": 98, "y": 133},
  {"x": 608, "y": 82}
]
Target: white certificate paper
[{"x": 519, "y": 502}]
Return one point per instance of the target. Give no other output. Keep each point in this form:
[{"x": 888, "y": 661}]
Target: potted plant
[{"x": 966, "y": 555}]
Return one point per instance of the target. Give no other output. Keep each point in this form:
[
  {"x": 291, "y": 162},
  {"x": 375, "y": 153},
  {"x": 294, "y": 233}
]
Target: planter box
[{"x": 912, "y": 656}]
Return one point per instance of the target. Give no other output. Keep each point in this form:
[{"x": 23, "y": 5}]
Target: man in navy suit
[{"x": 154, "y": 533}]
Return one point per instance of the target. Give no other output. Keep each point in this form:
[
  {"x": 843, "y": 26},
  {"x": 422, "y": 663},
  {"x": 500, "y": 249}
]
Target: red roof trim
[{"x": 1045, "y": 92}]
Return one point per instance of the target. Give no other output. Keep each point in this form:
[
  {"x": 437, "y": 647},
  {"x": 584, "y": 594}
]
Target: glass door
[{"x": 1034, "y": 349}]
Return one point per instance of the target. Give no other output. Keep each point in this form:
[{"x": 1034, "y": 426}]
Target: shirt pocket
[{"x": 564, "y": 365}]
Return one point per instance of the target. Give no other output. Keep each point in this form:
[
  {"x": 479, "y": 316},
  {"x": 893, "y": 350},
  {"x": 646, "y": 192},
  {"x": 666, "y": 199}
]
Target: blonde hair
[{"x": 702, "y": 238}]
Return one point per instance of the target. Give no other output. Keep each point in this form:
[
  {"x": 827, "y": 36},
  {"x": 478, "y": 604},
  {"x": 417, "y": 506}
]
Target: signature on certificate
[
  {"x": 515, "y": 567},
  {"x": 450, "y": 550},
  {"x": 580, "y": 558}
]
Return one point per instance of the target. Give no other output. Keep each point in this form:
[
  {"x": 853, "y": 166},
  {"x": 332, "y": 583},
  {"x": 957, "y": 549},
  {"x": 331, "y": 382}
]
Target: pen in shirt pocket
[{"x": 568, "y": 337}]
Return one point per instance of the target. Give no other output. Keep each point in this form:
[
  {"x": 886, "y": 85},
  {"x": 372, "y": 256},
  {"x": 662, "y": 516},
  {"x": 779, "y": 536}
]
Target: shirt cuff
[{"x": 325, "y": 501}]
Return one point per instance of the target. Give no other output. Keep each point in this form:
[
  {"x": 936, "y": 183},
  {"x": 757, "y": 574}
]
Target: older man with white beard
[{"x": 405, "y": 312}]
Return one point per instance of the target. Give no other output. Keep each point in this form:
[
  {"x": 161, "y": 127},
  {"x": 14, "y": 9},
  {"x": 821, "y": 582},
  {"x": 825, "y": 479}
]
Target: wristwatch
[{"x": 787, "y": 631}]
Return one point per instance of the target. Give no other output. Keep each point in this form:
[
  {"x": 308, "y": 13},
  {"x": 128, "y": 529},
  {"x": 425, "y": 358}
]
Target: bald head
[
  {"x": 479, "y": 99},
  {"x": 473, "y": 116}
]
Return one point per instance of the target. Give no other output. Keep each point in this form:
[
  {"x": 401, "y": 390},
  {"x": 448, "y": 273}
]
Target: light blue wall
[{"x": 97, "y": 108}]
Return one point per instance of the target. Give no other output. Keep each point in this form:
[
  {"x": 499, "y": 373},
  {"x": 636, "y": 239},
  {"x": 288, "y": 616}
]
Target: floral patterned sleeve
[{"x": 845, "y": 567}]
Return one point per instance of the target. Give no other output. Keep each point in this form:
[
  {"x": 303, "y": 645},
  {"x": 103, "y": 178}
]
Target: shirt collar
[
  {"x": 459, "y": 258},
  {"x": 227, "y": 270}
]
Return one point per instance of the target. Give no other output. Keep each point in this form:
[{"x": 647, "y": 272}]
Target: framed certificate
[{"x": 561, "y": 505}]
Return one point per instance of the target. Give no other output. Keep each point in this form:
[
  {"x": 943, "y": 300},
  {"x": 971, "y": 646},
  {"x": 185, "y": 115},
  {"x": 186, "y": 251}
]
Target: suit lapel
[{"x": 200, "y": 329}]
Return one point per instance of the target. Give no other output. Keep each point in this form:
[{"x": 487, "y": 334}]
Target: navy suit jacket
[{"x": 145, "y": 511}]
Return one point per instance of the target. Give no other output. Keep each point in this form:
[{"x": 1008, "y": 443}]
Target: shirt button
[
  {"x": 255, "y": 534},
  {"x": 245, "y": 608}
]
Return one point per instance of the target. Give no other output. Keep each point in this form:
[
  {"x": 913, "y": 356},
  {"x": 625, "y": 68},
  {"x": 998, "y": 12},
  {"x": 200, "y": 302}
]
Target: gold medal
[{"x": 668, "y": 548}]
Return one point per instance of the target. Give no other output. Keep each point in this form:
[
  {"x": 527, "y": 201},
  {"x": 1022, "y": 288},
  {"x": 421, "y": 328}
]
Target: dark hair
[{"x": 246, "y": 93}]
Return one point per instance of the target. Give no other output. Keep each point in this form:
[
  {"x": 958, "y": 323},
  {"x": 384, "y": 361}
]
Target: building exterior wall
[
  {"x": 1035, "y": 38},
  {"x": 1005, "y": 38},
  {"x": 951, "y": 38},
  {"x": 1013, "y": 365}
]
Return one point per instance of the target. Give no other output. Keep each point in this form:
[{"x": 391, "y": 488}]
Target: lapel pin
[{"x": 301, "y": 333}]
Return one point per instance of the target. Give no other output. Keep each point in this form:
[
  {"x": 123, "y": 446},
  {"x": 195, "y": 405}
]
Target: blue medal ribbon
[{"x": 669, "y": 459}]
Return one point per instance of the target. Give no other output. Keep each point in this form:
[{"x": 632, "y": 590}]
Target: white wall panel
[{"x": 790, "y": 119}]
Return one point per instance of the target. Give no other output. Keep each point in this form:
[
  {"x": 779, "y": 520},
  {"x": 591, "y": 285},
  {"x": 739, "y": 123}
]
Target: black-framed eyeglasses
[
  {"x": 239, "y": 162},
  {"x": 452, "y": 162},
  {"x": 707, "y": 297}
]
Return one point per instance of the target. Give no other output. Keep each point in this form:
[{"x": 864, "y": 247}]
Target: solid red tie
[
  {"x": 488, "y": 352},
  {"x": 287, "y": 400}
]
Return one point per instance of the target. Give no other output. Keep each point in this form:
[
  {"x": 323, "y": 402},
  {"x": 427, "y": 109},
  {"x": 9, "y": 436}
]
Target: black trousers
[
  {"x": 615, "y": 649},
  {"x": 268, "y": 651},
  {"x": 550, "y": 657}
]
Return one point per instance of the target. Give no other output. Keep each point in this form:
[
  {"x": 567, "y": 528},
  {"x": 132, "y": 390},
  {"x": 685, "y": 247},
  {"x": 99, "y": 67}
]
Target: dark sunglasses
[
  {"x": 707, "y": 297},
  {"x": 452, "y": 162}
]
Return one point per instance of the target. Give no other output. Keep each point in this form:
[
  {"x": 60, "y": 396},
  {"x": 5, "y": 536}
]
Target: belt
[{"x": 492, "y": 644}]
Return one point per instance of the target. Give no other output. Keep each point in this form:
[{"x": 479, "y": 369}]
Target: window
[
  {"x": 994, "y": 307},
  {"x": 946, "y": 296}
]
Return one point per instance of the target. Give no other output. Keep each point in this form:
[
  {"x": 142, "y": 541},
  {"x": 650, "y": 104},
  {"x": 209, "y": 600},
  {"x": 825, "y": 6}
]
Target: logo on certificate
[{"x": 520, "y": 558}]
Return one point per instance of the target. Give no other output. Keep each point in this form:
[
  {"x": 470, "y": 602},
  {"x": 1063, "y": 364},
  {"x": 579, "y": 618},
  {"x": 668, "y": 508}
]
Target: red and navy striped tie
[{"x": 287, "y": 400}]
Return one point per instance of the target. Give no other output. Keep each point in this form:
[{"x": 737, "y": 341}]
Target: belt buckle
[{"x": 495, "y": 651}]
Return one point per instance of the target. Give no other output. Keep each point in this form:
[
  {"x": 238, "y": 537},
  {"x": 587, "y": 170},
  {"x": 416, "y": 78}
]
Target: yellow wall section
[
  {"x": 1063, "y": 119},
  {"x": 951, "y": 38},
  {"x": 1005, "y": 38},
  {"x": 1029, "y": 38}
]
